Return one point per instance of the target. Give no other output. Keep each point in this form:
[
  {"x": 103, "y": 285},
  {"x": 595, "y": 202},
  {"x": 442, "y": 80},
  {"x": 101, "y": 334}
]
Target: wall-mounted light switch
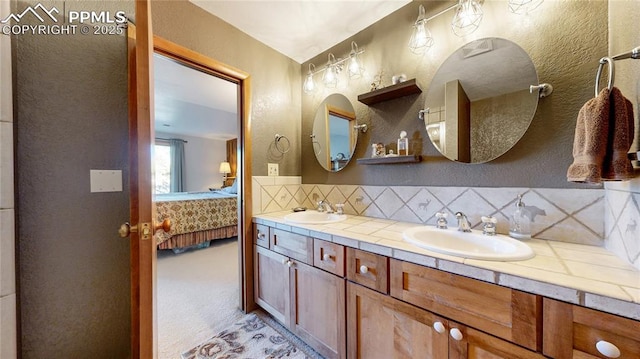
[
  {"x": 272, "y": 169},
  {"x": 106, "y": 180}
]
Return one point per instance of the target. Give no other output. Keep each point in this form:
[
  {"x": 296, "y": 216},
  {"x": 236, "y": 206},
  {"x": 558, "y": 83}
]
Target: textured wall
[
  {"x": 565, "y": 39},
  {"x": 71, "y": 102},
  {"x": 8, "y": 320},
  {"x": 622, "y": 212},
  {"x": 275, "y": 79}
]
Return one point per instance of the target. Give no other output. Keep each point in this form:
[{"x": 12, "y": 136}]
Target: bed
[{"x": 196, "y": 218}]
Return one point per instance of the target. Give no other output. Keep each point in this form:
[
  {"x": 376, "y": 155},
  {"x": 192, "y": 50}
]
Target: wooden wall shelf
[
  {"x": 389, "y": 160},
  {"x": 404, "y": 88}
]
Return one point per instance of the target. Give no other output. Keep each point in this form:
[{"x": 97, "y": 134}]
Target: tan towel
[
  {"x": 617, "y": 165},
  {"x": 590, "y": 141},
  {"x": 604, "y": 134}
]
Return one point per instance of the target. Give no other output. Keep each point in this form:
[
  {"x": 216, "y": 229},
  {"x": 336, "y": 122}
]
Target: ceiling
[
  {"x": 191, "y": 103},
  {"x": 301, "y": 29}
]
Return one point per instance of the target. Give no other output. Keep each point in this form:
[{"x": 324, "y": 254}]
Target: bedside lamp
[{"x": 225, "y": 168}]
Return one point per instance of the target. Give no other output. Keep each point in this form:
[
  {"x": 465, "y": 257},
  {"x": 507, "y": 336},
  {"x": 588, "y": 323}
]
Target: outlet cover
[{"x": 272, "y": 169}]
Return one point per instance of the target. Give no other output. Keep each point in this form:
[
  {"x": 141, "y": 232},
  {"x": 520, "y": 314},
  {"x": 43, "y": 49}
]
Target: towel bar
[{"x": 634, "y": 156}]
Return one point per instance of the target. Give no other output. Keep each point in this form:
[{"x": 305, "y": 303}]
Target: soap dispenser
[
  {"x": 520, "y": 222},
  {"x": 403, "y": 144}
]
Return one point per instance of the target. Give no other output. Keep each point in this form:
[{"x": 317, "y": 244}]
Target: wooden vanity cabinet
[
  {"x": 572, "y": 332},
  {"x": 261, "y": 235},
  {"x": 271, "y": 283},
  {"x": 317, "y": 300},
  {"x": 503, "y": 312},
  {"x": 309, "y": 301},
  {"x": 369, "y": 269},
  {"x": 380, "y": 326}
]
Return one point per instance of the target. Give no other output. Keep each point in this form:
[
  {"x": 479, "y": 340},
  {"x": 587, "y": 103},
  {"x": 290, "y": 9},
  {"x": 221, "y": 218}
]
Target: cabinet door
[
  {"x": 379, "y": 326},
  {"x": 571, "y": 331},
  {"x": 292, "y": 245},
  {"x": 506, "y": 313},
  {"x": 468, "y": 343},
  {"x": 261, "y": 235},
  {"x": 318, "y": 309},
  {"x": 368, "y": 269},
  {"x": 271, "y": 283}
]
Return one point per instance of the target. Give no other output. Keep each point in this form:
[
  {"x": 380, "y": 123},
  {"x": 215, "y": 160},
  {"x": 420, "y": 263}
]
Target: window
[{"x": 162, "y": 168}]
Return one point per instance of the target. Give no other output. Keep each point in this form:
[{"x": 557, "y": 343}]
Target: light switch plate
[
  {"x": 106, "y": 180},
  {"x": 272, "y": 169}
]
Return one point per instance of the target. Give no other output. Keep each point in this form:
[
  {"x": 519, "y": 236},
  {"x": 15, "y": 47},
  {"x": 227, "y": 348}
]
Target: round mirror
[
  {"x": 479, "y": 104},
  {"x": 334, "y": 137}
]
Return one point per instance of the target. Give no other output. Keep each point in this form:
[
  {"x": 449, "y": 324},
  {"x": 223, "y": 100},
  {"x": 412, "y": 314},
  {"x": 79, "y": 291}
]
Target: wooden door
[
  {"x": 379, "y": 326},
  {"x": 572, "y": 332},
  {"x": 318, "y": 309},
  {"x": 468, "y": 343},
  {"x": 271, "y": 283},
  {"x": 143, "y": 248}
]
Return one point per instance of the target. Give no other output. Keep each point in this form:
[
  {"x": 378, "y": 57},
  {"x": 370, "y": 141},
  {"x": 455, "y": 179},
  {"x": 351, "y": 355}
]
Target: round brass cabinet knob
[{"x": 164, "y": 225}]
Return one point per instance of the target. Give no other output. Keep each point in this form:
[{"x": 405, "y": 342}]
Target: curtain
[{"x": 177, "y": 165}]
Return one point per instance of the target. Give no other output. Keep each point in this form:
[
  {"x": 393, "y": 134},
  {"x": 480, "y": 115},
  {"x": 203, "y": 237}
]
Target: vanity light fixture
[
  {"x": 333, "y": 68},
  {"x": 466, "y": 20},
  {"x": 330, "y": 77},
  {"x": 355, "y": 64},
  {"x": 523, "y": 7},
  {"x": 421, "y": 39},
  {"x": 309, "y": 85}
]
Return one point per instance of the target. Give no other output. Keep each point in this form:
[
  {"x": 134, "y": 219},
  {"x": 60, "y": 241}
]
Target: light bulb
[
  {"x": 309, "y": 85},
  {"x": 330, "y": 77},
  {"x": 421, "y": 39},
  {"x": 467, "y": 18},
  {"x": 355, "y": 67}
]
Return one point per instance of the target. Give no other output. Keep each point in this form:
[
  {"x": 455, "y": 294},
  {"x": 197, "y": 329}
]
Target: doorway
[{"x": 201, "y": 125}]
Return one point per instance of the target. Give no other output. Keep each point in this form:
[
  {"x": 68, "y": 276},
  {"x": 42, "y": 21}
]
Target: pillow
[{"x": 233, "y": 189}]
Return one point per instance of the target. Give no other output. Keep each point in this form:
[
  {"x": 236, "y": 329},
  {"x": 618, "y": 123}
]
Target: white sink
[
  {"x": 314, "y": 217},
  {"x": 473, "y": 245}
]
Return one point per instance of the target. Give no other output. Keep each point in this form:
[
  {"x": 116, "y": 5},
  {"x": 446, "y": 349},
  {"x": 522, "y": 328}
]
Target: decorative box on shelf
[
  {"x": 401, "y": 89},
  {"x": 389, "y": 160}
]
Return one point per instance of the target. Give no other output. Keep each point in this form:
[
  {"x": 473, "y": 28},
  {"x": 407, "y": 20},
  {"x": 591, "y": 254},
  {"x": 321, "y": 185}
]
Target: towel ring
[
  {"x": 284, "y": 148},
  {"x": 604, "y": 61}
]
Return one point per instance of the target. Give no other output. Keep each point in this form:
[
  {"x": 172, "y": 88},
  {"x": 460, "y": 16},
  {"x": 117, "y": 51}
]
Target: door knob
[
  {"x": 144, "y": 229},
  {"x": 126, "y": 229},
  {"x": 164, "y": 225}
]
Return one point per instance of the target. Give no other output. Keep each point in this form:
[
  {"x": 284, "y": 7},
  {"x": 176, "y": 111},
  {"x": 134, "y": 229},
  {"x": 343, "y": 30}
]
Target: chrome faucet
[
  {"x": 463, "y": 222},
  {"x": 325, "y": 205}
]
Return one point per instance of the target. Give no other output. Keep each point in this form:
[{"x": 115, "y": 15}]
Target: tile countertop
[{"x": 585, "y": 275}]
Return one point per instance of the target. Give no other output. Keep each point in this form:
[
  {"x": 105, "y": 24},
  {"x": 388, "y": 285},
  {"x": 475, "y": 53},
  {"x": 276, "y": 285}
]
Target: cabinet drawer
[
  {"x": 328, "y": 256},
  {"x": 261, "y": 235},
  {"x": 506, "y": 313},
  {"x": 571, "y": 331},
  {"x": 292, "y": 245},
  {"x": 369, "y": 269}
]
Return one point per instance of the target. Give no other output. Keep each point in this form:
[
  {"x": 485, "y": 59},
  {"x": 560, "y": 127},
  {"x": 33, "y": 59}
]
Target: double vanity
[{"x": 361, "y": 287}]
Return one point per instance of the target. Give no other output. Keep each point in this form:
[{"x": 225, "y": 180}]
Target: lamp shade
[{"x": 225, "y": 167}]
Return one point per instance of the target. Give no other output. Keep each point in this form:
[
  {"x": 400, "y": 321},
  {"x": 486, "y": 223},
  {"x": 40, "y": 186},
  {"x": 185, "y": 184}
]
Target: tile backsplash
[
  {"x": 622, "y": 220},
  {"x": 567, "y": 215}
]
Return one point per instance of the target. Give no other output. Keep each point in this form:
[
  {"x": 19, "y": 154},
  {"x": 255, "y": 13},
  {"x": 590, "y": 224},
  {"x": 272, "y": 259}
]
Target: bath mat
[{"x": 249, "y": 338}]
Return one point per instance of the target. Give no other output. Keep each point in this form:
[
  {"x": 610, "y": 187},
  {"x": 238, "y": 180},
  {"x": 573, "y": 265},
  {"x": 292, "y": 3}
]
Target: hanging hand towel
[
  {"x": 590, "y": 141},
  {"x": 617, "y": 166}
]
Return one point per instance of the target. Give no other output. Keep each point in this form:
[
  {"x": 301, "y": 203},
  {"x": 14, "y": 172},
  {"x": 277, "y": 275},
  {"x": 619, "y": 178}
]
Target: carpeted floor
[{"x": 197, "y": 295}]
